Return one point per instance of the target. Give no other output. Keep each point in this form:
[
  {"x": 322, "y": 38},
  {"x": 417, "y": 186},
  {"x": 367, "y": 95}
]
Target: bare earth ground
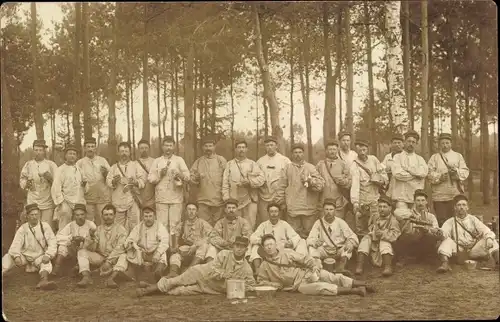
[{"x": 413, "y": 292}]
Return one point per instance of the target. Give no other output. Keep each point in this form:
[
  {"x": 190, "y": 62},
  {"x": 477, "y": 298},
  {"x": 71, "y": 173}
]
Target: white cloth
[
  {"x": 25, "y": 242},
  {"x": 338, "y": 231},
  {"x": 348, "y": 157},
  {"x": 405, "y": 183},
  {"x": 121, "y": 196},
  {"x": 67, "y": 186},
  {"x": 363, "y": 191},
  {"x": 97, "y": 191},
  {"x": 71, "y": 230},
  {"x": 234, "y": 173},
  {"x": 272, "y": 167},
  {"x": 33, "y": 170},
  {"x": 166, "y": 191},
  {"x": 447, "y": 190}
]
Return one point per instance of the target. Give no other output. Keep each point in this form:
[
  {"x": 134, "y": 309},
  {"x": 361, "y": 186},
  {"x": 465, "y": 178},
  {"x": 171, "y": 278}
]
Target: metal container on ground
[
  {"x": 267, "y": 292},
  {"x": 183, "y": 250},
  {"x": 235, "y": 289},
  {"x": 329, "y": 264},
  {"x": 470, "y": 264}
]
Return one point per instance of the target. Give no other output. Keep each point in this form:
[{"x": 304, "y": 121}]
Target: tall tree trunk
[
  {"x": 214, "y": 107},
  {"x": 177, "y": 111},
  {"x": 256, "y": 118},
  {"x": 350, "y": 74},
  {"x": 127, "y": 97},
  {"x": 266, "y": 117},
  {"x": 292, "y": 76},
  {"x": 269, "y": 92},
  {"x": 406, "y": 63},
  {"x": 195, "y": 95},
  {"x": 432, "y": 113},
  {"x": 68, "y": 128},
  {"x": 393, "y": 56},
  {"x": 452, "y": 100},
  {"x": 98, "y": 118},
  {"x": 329, "y": 109},
  {"x": 34, "y": 54},
  {"x": 304, "y": 85},
  {"x": 87, "y": 118},
  {"x": 188, "y": 107},
  {"x": 338, "y": 66},
  {"x": 158, "y": 100},
  {"x": 425, "y": 84},
  {"x": 56, "y": 106},
  {"x": 231, "y": 95},
  {"x": 77, "y": 128},
  {"x": 202, "y": 102},
  {"x": 483, "y": 115},
  {"x": 173, "y": 95},
  {"x": 371, "y": 94},
  {"x": 132, "y": 117},
  {"x": 165, "y": 108},
  {"x": 205, "y": 104},
  {"x": 112, "y": 89},
  {"x": 145, "y": 77},
  {"x": 468, "y": 134}
]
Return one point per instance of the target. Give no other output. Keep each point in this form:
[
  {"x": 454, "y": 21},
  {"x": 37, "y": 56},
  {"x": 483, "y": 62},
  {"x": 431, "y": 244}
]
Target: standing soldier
[
  {"x": 36, "y": 178},
  {"x": 206, "y": 173},
  {"x": 368, "y": 175},
  {"x": 337, "y": 176},
  {"x": 299, "y": 188},
  {"x": 241, "y": 179},
  {"x": 145, "y": 162},
  {"x": 168, "y": 173},
  {"x": 68, "y": 188},
  {"x": 409, "y": 171},
  {"x": 397, "y": 147},
  {"x": 95, "y": 170},
  {"x": 447, "y": 171},
  {"x": 345, "y": 152},
  {"x": 271, "y": 164},
  {"x": 126, "y": 178}
]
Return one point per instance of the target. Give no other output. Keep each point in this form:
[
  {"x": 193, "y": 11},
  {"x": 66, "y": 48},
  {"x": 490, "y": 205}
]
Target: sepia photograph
[{"x": 249, "y": 161}]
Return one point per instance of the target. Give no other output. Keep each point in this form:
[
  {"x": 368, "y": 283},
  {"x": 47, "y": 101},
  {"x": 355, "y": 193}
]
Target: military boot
[
  {"x": 44, "y": 283},
  {"x": 360, "y": 263},
  {"x": 387, "y": 262},
  {"x": 160, "y": 268},
  {"x": 86, "y": 280},
  {"x": 57, "y": 265},
  {"x": 174, "y": 271},
  {"x": 445, "y": 266}
]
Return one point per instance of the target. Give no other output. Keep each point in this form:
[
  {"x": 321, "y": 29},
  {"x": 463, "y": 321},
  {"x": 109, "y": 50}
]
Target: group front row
[{"x": 279, "y": 256}]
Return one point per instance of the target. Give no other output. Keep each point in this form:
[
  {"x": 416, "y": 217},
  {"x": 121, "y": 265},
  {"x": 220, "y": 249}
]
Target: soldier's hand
[
  {"x": 116, "y": 179},
  {"x": 192, "y": 250},
  {"x": 489, "y": 243},
  {"x": 174, "y": 250},
  {"x": 288, "y": 244},
  {"x": 47, "y": 175},
  {"x": 378, "y": 234},
  {"x": 84, "y": 183},
  {"x": 318, "y": 243},
  {"x": 105, "y": 267},
  {"x": 163, "y": 171},
  {"x": 104, "y": 170},
  {"x": 156, "y": 258},
  {"x": 45, "y": 259},
  {"x": 18, "y": 261},
  {"x": 348, "y": 247},
  {"x": 355, "y": 208},
  {"x": 30, "y": 184}
]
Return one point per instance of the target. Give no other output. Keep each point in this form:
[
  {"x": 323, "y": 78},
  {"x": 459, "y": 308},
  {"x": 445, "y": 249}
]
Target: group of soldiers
[{"x": 279, "y": 222}]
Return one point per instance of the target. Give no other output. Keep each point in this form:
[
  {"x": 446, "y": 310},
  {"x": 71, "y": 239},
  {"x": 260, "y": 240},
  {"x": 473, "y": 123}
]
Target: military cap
[
  {"x": 298, "y": 146},
  {"x": 90, "y": 140},
  {"x": 125, "y": 144},
  {"x": 194, "y": 203},
  {"x": 169, "y": 139},
  {"x": 445, "y": 136},
  {"x": 266, "y": 237},
  {"x": 330, "y": 202},
  {"x": 344, "y": 133},
  {"x": 40, "y": 143},
  {"x": 460, "y": 197},
  {"x": 240, "y": 240},
  {"x": 31, "y": 207},
  {"x": 271, "y": 138},
  {"x": 79, "y": 206},
  {"x": 361, "y": 142},
  {"x": 150, "y": 208},
  {"x": 71, "y": 147},
  {"x": 385, "y": 199},
  {"x": 240, "y": 141},
  {"x": 208, "y": 139},
  {"x": 143, "y": 141},
  {"x": 331, "y": 142},
  {"x": 420, "y": 192},
  {"x": 397, "y": 137},
  {"x": 412, "y": 133},
  {"x": 272, "y": 204},
  {"x": 232, "y": 202}
]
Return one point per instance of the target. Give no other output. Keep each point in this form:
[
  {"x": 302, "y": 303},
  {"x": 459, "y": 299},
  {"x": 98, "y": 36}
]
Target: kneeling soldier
[
  {"x": 466, "y": 236},
  {"x": 148, "y": 242},
  {"x": 105, "y": 250},
  {"x": 383, "y": 232},
  {"x": 33, "y": 246},
  {"x": 331, "y": 237},
  {"x": 192, "y": 232}
]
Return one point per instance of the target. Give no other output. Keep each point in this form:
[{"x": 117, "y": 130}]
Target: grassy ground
[{"x": 413, "y": 292}]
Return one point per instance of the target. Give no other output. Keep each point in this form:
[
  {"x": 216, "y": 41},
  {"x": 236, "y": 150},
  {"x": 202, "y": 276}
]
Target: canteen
[
  {"x": 235, "y": 289},
  {"x": 470, "y": 264},
  {"x": 329, "y": 264},
  {"x": 183, "y": 250}
]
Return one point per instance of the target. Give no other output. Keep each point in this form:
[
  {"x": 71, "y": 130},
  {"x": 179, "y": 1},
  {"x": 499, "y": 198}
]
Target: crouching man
[
  {"x": 148, "y": 242},
  {"x": 72, "y": 238},
  {"x": 466, "y": 237},
  {"x": 288, "y": 270},
  {"x": 383, "y": 232},
  {"x": 192, "y": 232},
  {"x": 420, "y": 233},
  {"x": 34, "y": 245},
  {"x": 209, "y": 278},
  {"x": 105, "y": 250},
  {"x": 286, "y": 236},
  {"x": 331, "y": 237}
]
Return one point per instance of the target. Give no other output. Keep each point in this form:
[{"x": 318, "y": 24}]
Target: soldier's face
[
  {"x": 362, "y": 151},
  {"x": 241, "y": 149},
  {"x": 230, "y": 210},
  {"x": 445, "y": 145},
  {"x": 270, "y": 246},
  {"x": 397, "y": 145},
  {"x": 208, "y": 148},
  {"x": 148, "y": 217},
  {"x": 33, "y": 216},
  {"x": 80, "y": 216},
  {"x": 298, "y": 154},
  {"x": 124, "y": 152},
  {"x": 71, "y": 156},
  {"x": 410, "y": 144},
  {"x": 384, "y": 209},
  {"x": 90, "y": 149},
  {"x": 108, "y": 217},
  {"x": 462, "y": 207},
  {"x": 345, "y": 142},
  {"x": 239, "y": 250},
  {"x": 329, "y": 212},
  {"x": 332, "y": 151},
  {"x": 143, "y": 150},
  {"x": 191, "y": 212},
  {"x": 39, "y": 152},
  {"x": 420, "y": 202},
  {"x": 274, "y": 215},
  {"x": 271, "y": 147},
  {"x": 167, "y": 147}
]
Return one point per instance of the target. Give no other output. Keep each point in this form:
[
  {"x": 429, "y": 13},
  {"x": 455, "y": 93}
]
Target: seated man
[
  {"x": 383, "y": 232},
  {"x": 228, "y": 228},
  {"x": 148, "y": 242},
  {"x": 73, "y": 237},
  {"x": 291, "y": 271},
  {"x": 285, "y": 235},
  {"x": 420, "y": 233},
  {"x": 104, "y": 249},
  {"x": 34, "y": 245},
  {"x": 192, "y": 232},
  {"x": 332, "y": 237},
  {"x": 466, "y": 236},
  {"x": 209, "y": 278}
]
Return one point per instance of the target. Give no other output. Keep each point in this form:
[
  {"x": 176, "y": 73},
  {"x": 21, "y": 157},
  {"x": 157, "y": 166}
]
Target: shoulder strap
[
  {"x": 326, "y": 232},
  {"x": 43, "y": 234},
  {"x": 463, "y": 227},
  {"x": 142, "y": 165},
  {"x": 364, "y": 168},
  {"x": 328, "y": 170}
]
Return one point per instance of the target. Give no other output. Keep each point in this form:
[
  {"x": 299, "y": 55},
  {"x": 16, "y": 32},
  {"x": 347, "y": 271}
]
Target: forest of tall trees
[{"x": 439, "y": 67}]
